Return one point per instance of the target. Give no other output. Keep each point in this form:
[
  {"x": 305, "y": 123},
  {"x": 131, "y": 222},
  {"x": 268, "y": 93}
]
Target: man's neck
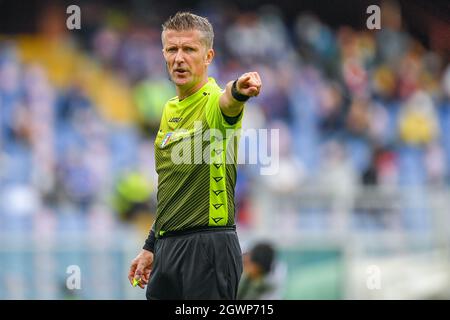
[{"x": 184, "y": 93}]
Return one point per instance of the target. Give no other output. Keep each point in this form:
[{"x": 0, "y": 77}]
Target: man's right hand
[{"x": 141, "y": 267}]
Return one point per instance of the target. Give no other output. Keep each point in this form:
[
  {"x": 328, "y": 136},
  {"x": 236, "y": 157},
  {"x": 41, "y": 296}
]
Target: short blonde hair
[{"x": 183, "y": 21}]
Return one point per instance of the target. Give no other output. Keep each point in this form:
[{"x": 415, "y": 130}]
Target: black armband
[
  {"x": 238, "y": 96},
  {"x": 149, "y": 244}
]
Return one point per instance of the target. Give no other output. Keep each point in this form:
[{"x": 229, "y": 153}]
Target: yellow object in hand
[{"x": 136, "y": 282}]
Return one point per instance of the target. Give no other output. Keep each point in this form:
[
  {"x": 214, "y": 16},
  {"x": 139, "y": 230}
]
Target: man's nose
[{"x": 179, "y": 57}]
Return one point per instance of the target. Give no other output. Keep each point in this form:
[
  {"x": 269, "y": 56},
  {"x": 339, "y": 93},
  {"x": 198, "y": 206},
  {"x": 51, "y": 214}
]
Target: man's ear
[{"x": 209, "y": 56}]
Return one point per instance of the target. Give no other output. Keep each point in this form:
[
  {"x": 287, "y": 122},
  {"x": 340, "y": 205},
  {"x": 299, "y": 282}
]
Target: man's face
[
  {"x": 252, "y": 269},
  {"x": 186, "y": 56}
]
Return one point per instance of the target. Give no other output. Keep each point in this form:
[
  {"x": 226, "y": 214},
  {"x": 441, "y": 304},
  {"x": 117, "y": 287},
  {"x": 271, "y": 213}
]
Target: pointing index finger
[{"x": 245, "y": 78}]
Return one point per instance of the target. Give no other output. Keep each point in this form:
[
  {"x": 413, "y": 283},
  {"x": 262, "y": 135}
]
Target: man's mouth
[{"x": 180, "y": 71}]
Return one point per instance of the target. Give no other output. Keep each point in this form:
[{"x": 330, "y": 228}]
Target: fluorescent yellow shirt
[{"x": 196, "y": 176}]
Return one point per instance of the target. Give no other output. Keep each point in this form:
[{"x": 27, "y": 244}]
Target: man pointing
[{"x": 193, "y": 251}]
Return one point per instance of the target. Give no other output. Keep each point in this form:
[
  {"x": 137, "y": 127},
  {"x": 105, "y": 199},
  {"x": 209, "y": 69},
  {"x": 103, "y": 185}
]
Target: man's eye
[
  {"x": 190, "y": 49},
  {"x": 171, "y": 50}
]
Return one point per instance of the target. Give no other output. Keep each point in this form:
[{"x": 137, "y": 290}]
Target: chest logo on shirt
[
  {"x": 166, "y": 139},
  {"x": 174, "y": 119}
]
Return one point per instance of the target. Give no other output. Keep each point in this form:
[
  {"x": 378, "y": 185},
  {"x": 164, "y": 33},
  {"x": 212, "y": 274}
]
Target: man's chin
[{"x": 180, "y": 81}]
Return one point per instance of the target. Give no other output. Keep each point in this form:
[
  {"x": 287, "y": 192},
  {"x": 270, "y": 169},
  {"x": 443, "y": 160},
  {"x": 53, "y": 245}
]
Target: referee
[{"x": 192, "y": 251}]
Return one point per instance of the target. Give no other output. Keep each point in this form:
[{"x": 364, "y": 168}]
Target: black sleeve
[
  {"x": 149, "y": 244},
  {"x": 231, "y": 120}
]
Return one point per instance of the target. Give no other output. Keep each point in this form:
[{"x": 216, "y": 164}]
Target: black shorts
[{"x": 201, "y": 265}]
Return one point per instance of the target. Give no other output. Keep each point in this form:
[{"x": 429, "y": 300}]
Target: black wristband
[{"x": 238, "y": 96}]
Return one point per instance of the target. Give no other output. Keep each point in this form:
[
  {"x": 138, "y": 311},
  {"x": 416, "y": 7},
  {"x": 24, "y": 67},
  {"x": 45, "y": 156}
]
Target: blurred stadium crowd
[{"x": 79, "y": 110}]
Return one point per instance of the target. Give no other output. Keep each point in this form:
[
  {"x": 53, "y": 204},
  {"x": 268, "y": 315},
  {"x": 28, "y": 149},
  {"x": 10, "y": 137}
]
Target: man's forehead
[{"x": 181, "y": 37}]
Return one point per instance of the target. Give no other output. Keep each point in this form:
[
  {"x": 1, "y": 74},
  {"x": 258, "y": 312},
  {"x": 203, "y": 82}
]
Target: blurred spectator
[
  {"x": 331, "y": 110},
  {"x": 263, "y": 276},
  {"x": 418, "y": 120},
  {"x": 132, "y": 196},
  {"x": 150, "y": 97},
  {"x": 391, "y": 39}
]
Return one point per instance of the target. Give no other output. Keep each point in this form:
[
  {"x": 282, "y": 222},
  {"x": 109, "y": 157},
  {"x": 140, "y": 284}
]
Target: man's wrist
[{"x": 236, "y": 95}]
